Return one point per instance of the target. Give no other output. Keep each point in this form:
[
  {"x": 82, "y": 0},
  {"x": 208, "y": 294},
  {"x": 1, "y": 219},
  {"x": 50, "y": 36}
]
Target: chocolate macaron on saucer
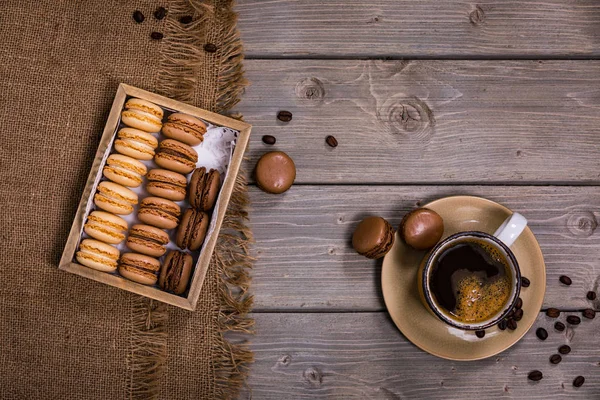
[
  {"x": 192, "y": 229},
  {"x": 149, "y": 240},
  {"x": 136, "y": 143},
  {"x": 373, "y": 237},
  {"x": 139, "y": 268},
  {"x": 275, "y": 172},
  {"x": 115, "y": 198},
  {"x": 176, "y": 156},
  {"x": 97, "y": 255},
  {"x": 167, "y": 184},
  {"x": 184, "y": 128},
  {"x": 159, "y": 212},
  {"x": 175, "y": 272},
  {"x": 106, "y": 227},
  {"x": 204, "y": 188},
  {"x": 143, "y": 115},
  {"x": 124, "y": 170}
]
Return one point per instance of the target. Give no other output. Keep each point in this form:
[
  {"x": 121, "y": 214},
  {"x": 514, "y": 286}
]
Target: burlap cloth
[{"x": 63, "y": 336}]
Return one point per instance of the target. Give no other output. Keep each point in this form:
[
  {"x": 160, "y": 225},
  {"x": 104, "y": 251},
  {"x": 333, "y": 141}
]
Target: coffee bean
[
  {"x": 559, "y": 326},
  {"x": 564, "y": 349},
  {"x": 186, "y": 19},
  {"x": 565, "y": 280},
  {"x": 210, "y": 48},
  {"x": 138, "y": 16},
  {"x": 160, "y": 13},
  {"x": 525, "y": 282},
  {"x": 502, "y": 325},
  {"x": 156, "y": 35},
  {"x": 541, "y": 333},
  {"x": 553, "y": 312},
  {"x": 284, "y": 116},
  {"x": 589, "y": 313},
  {"x": 518, "y": 315},
  {"x": 535, "y": 375},
  {"x": 331, "y": 141},
  {"x": 519, "y": 303},
  {"x": 573, "y": 320},
  {"x": 480, "y": 333},
  {"x": 268, "y": 139},
  {"x": 578, "y": 382},
  {"x": 555, "y": 358},
  {"x": 511, "y": 324},
  {"x": 591, "y": 295}
]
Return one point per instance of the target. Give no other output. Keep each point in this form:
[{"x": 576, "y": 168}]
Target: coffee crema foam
[{"x": 477, "y": 301}]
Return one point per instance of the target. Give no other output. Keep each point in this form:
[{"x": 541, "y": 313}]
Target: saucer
[{"x": 423, "y": 329}]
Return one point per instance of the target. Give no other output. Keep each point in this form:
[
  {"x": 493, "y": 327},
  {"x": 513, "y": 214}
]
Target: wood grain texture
[
  {"x": 306, "y": 262},
  {"x": 428, "y": 28},
  {"x": 430, "y": 121},
  {"x": 364, "y": 356}
]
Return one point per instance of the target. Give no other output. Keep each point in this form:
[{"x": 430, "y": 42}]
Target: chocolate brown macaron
[
  {"x": 192, "y": 229},
  {"x": 275, "y": 172},
  {"x": 158, "y": 212},
  {"x": 373, "y": 237},
  {"x": 168, "y": 184},
  {"x": 422, "y": 228},
  {"x": 204, "y": 188},
  {"x": 176, "y": 156},
  {"x": 139, "y": 268},
  {"x": 147, "y": 240},
  {"x": 175, "y": 272}
]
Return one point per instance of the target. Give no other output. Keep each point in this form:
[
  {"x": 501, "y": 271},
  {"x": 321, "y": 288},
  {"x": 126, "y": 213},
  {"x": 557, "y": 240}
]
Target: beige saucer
[{"x": 399, "y": 284}]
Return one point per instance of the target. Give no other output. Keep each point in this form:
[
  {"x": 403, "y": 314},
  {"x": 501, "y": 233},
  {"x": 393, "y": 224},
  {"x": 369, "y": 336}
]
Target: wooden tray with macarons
[{"x": 156, "y": 197}]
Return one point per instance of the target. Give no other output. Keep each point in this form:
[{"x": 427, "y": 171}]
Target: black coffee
[{"x": 471, "y": 280}]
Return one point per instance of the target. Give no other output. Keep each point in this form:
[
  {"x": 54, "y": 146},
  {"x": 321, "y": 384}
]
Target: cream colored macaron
[
  {"x": 97, "y": 255},
  {"x": 124, "y": 170},
  {"x": 105, "y": 227},
  {"x": 136, "y": 143},
  {"x": 142, "y": 114},
  {"x": 115, "y": 198}
]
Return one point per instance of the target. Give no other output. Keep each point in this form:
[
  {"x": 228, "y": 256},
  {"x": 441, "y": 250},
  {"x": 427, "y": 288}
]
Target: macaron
[
  {"x": 185, "y": 128},
  {"x": 175, "y": 272},
  {"x": 204, "y": 188},
  {"x": 142, "y": 114},
  {"x": 105, "y": 227},
  {"x": 115, "y": 198},
  {"x": 97, "y": 255},
  {"x": 124, "y": 170},
  {"x": 421, "y": 228},
  {"x": 158, "y": 212},
  {"x": 136, "y": 143},
  {"x": 176, "y": 156},
  {"x": 192, "y": 230},
  {"x": 139, "y": 268},
  {"x": 168, "y": 184},
  {"x": 147, "y": 240},
  {"x": 373, "y": 237},
  {"x": 275, "y": 172}
]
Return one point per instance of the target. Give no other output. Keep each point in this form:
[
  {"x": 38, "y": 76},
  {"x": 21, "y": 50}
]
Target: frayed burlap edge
[{"x": 182, "y": 54}]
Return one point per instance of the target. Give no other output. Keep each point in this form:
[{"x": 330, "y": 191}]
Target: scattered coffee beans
[
  {"x": 525, "y": 282},
  {"x": 480, "y": 333},
  {"x": 519, "y": 303},
  {"x": 268, "y": 139},
  {"x": 502, "y": 325},
  {"x": 518, "y": 315},
  {"x": 555, "y": 358},
  {"x": 578, "y": 382},
  {"x": 565, "y": 280},
  {"x": 210, "y": 48},
  {"x": 591, "y": 295},
  {"x": 553, "y": 312},
  {"x": 573, "y": 320},
  {"x": 589, "y": 313},
  {"x": 564, "y": 349},
  {"x": 138, "y": 16},
  {"x": 511, "y": 324},
  {"x": 535, "y": 376},
  {"x": 559, "y": 326},
  {"x": 186, "y": 19},
  {"x": 160, "y": 13},
  {"x": 541, "y": 333},
  {"x": 156, "y": 35},
  {"x": 284, "y": 116},
  {"x": 331, "y": 141}
]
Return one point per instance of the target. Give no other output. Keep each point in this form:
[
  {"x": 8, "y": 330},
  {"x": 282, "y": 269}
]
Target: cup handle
[{"x": 510, "y": 229}]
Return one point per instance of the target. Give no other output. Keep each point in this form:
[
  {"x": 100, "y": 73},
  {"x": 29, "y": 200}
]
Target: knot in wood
[
  {"x": 313, "y": 376},
  {"x": 477, "y": 16},
  {"x": 310, "y": 89},
  {"x": 403, "y": 115},
  {"x": 582, "y": 223},
  {"x": 285, "y": 359}
]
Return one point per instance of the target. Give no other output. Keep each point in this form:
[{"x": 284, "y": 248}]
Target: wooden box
[{"x": 68, "y": 263}]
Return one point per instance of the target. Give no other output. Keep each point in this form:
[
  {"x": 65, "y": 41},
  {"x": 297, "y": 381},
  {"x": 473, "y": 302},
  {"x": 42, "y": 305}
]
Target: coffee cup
[{"x": 471, "y": 280}]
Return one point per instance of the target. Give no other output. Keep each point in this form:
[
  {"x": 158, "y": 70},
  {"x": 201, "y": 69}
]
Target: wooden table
[{"x": 427, "y": 99}]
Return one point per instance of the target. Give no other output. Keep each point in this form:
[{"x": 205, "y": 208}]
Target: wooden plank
[
  {"x": 306, "y": 262},
  {"x": 364, "y": 356},
  {"x": 427, "y": 28},
  {"x": 430, "y": 121}
]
